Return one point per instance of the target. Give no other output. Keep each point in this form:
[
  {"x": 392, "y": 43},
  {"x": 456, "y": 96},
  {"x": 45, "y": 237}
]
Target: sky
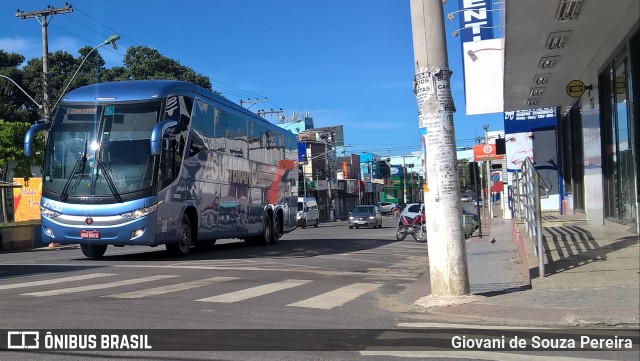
[{"x": 346, "y": 63}]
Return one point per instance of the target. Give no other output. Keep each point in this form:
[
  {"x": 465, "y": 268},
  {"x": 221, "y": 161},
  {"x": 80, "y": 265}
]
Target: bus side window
[{"x": 170, "y": 159}]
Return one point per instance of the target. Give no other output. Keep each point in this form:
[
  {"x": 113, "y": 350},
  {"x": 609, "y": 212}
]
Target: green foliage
[
  {"x": 11, "y": 149},
  {"x": 14, "y": 104},
  {"x": 144, "y": 63},
  {"x": 466, "y": 182}
]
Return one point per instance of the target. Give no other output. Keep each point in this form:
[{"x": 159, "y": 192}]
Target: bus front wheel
[
  {"x": 182, "y": 247},
  {"x": 93, "y": 250}
]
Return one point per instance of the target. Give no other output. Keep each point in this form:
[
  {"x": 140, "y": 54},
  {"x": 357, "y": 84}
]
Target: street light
[
  {"x": 19, "y": 87},
  {"x": 456, "y": 32},
  {"x": 474, "y": 57},
  {"x": 110, "y": 40}
]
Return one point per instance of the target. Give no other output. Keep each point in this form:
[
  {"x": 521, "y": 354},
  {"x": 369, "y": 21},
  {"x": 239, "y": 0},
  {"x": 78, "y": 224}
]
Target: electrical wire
[{"x": 106, "y": 26}]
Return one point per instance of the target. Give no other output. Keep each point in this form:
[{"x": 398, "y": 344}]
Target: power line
[
  {"x": 85, "y": 40},
  {"x": 106, "y": 26}
]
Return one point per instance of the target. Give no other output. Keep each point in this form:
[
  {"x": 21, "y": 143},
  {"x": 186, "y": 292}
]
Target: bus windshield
[{"x": 100, "y": 150}]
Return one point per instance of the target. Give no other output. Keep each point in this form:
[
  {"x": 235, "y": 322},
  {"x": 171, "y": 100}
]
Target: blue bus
[{"x": 163, "y": 162}]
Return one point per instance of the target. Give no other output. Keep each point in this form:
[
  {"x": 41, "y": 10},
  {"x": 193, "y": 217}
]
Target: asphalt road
[{"x": 320, "y": 293}]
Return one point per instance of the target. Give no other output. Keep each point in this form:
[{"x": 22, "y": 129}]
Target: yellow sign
[
  {"x": 26, "y": 200},
  {"x": 621, "y": 84},
  {"x": 575, "y": 88}
]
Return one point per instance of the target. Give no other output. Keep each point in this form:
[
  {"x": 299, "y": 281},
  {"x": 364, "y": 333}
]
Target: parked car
[
  {"x": 365, "y": 216},
  {"x": 465, "y": 198},
  {"x": 468, "y": 225},
  {"x": 473, "y": 215},
  {"x": 385, "y": 207}
]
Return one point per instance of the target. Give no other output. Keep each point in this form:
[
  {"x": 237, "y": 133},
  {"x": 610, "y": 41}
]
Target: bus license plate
[{"x": 90, "y": 234}]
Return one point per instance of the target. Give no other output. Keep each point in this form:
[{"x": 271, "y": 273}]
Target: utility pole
[
  {"x": 262, "y": 113},
  {"x": 488, "y": 199},
  {"x": 329, "y": 176},
  {"x": 43, "y": 18},
  {"x": 404, "y": 179},
  {"x": 447, "y": 255},
  {"x": 252, "y": 101}
]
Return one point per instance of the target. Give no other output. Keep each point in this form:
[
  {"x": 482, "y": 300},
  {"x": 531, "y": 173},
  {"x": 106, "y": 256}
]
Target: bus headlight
[
  {"x": 138, "y": 213},
  {"x": 48, "y": 213}
]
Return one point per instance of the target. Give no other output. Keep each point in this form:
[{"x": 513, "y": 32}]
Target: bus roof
[
  {"x": 132, "y": 90},
  {"x": 128, "y": 90}
]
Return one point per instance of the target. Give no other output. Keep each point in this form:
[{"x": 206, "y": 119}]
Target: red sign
[{"x": 485, "y": 152}]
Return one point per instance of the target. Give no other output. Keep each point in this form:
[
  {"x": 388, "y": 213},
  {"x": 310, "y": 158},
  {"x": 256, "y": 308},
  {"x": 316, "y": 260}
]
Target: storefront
[{"x": 618, "y": 82}]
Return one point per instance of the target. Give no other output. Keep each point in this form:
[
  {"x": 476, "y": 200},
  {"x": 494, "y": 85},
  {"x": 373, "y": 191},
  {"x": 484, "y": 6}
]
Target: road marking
[
  {"x": 473, "y": 355},
  {"x": 54, "y": 281},
  {"x": 345, "y": 258},
  {"x": 171, "y": 288},
  {"x": 307, "y": 269},
  {"x": 444, "y": 325},
  {"x": 338, "y": 297},
  {"x": 254, "y": 291},
  {"x": 62, "y": 291}
]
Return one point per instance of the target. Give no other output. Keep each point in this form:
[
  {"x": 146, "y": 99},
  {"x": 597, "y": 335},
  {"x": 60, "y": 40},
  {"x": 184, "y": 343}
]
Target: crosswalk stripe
[
  {"x": 54, "y": 281},
  {"x": 473, "y": 355},
  {"x": 171, "y": 288},
  {"x": 254, "y": 291},
  {"x": 62, "y": 291},
  {"x": 337, "y": 297}
]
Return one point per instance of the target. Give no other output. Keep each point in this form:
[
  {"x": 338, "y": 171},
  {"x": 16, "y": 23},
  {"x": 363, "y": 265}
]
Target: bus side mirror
[
  {"x": 157, "y": 133},
  {"x": 31, "y": 135}
]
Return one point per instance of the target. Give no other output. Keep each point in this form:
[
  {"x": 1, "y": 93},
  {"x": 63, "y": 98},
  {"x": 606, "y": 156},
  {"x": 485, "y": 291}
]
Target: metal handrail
[{"x": 525, "y": 204}]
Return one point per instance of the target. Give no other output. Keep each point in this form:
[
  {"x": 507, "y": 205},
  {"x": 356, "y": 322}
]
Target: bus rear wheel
[
  {"x": 93, "y": 250},
  {"x": 183, "y": 246},
  {"x": 265, "y": 238}
]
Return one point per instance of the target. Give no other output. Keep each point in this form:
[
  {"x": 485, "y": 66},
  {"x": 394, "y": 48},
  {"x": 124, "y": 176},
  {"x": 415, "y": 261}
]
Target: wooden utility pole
[
  {"x": 43, "y": 18},
  {"x": 447, "y": 256}
]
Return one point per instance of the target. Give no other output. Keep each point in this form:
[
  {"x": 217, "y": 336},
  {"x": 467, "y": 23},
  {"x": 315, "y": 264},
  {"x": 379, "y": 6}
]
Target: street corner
[
  {"x": 629, "y": 319},
  {"x": 433, "y": 301}
]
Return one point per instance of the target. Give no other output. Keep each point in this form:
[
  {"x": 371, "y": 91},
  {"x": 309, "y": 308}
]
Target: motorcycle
[{"x": 414, "y": 226}]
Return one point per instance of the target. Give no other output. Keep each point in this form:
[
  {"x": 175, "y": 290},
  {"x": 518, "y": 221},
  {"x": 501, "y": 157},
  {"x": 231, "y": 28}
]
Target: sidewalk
[{"x": 592, "y": 277}]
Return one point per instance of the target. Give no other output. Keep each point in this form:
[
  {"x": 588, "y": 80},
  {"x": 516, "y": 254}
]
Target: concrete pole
[
  {"x": 404, "y": 180},
  {"x": 447, "y": 256},
  {"x": 328, "y": 177},
  {"x": 489, "y": 198}
]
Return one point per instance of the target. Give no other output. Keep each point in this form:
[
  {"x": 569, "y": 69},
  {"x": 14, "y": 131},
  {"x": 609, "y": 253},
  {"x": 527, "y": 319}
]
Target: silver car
[
  {"x": 365, "y": 216},
  {"x": 385, "y": 207}
]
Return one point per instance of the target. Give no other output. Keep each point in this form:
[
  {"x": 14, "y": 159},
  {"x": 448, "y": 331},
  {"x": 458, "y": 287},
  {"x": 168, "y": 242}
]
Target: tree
[
  {"x": 466, "y": 182},
  {"x": 62, "y": 66},
  {"x": 11, "y": 149},
  {"x": 15, "y": 105},
  {"x": 143, "y": 63}
]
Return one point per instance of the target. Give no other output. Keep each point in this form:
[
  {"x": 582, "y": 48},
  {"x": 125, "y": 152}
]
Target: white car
[
  {"x": 385, "y": 207},
  {"x": 411, "y": 210}
]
